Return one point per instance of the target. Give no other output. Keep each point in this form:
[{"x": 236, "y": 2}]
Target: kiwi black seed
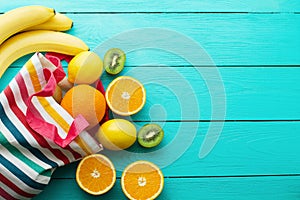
[
  {"x": 114, "y": 60},
  {"x": 150, "y": 135}
]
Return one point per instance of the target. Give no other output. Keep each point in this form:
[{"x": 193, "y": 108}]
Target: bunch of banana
[{"x": 32, "y": 29}]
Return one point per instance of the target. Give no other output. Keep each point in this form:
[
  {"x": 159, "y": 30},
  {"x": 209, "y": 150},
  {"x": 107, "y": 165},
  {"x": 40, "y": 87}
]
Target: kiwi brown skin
[
  {"x": 150, "y": 135},
  {"x": 114, "y": 61}
]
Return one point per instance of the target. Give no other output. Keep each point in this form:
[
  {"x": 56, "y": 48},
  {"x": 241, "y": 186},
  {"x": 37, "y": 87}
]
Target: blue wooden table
[{"x": 222, "y": 78}]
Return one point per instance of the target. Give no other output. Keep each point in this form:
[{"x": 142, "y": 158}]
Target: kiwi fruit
[
  {"x": 150, "y": 135},
  {"x": 114, "y": 60}
]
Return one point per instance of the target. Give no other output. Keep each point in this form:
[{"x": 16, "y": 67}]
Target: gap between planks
[
  {"x": 205, "y": 177},
  {"x": 198, "y": 66},
  {"x": 183, "y": 12},
  {"x": 242, "y": 120}
]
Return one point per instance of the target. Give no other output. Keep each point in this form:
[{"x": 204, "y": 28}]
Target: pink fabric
[
  {"x": 38, "y": 124},
  {"x": 59, "y": 56},
  {"x": 44, "y": 128}
]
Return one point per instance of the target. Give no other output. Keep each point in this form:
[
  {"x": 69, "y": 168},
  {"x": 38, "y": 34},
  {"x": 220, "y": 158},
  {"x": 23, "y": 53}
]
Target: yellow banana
[
  {"x": 38, "y": 41},
  {"x": 59, "y": 22},
  {"x": 21, "y": 18}
]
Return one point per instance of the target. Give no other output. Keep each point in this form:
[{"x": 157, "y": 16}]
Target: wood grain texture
[
  {"x": 256, "y": 45},
  {"x": 244, "y": 39},
  {"x": 244, "y": 148},
  {"x": 183, "y": 93},
  {"x": 267, "y": 188},
  {"x": 194, "y": 39},
  {"x": 163, "y": 6}
]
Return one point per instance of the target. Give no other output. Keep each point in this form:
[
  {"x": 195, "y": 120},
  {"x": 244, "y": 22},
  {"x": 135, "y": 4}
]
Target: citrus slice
[
  {"x": 125, "y": 96},
  {"x": 142, "y": 180},
  {"x": 96, "y": 174}
]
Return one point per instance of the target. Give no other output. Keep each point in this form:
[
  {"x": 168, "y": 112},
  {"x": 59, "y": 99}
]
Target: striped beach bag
[{"x": 36, "y": 134}]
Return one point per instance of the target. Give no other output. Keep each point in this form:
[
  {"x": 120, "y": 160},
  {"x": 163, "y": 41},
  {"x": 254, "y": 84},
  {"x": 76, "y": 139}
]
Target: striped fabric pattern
[{"x": 28, "y": 159}]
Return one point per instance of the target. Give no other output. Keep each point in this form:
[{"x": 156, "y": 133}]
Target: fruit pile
[
  {"x": 125, "y": 96},
  {"x": 32, "y": 29}
]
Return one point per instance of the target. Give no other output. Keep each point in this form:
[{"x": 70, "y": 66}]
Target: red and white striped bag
[{"x": 36, "y": 133}]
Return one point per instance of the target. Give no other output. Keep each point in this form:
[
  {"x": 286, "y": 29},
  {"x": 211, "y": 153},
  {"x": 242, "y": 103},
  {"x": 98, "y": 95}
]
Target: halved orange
[
  {"x": 142, "y": 180},
  {"x": 96, "y": 174},
  {"x": 125, "y": 96}
]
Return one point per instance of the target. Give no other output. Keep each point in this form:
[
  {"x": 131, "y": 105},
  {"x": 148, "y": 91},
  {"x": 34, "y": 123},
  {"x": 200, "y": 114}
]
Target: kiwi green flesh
[
  {"x": 114, "y": 61},
  {"x": 150, "y": 135}
]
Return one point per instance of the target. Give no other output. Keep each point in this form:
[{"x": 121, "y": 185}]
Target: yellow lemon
[
  {"x": 116, "y": 134},
  {"x": 85, "y": 68}
]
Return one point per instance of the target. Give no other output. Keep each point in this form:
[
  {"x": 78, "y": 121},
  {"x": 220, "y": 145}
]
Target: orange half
[
  {"x": 96, "y": 174},
  {"x": 142, "y": 180},
  {"x": 125, "y": 96}
]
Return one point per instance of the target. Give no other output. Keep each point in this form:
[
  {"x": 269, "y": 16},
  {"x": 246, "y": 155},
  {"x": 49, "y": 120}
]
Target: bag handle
[{"x": 38, "y": 124}]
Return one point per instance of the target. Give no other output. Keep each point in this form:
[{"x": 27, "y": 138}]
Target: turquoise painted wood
[
  {"x": 255, "y": 92},
  {"x": 256, "y": 46},
  {"x": 194, "y": 188},
  {"x": 228, "y": 39},
  {"x": 163, "y": 6},
  {"x": 269, "y": 145},
  {"x": 237, "y": 39}
]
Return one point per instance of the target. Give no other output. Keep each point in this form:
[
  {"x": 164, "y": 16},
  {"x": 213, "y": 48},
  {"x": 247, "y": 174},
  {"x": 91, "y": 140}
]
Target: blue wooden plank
[
  {"x": 194, "y": 39},
  {"x": 244, "y": 39},
  {"x": 181, "y": 93},
  {"x": 163, "y": 6},
  {"x": 193, "y": 188},
  {"x": 242, "y": 148}
]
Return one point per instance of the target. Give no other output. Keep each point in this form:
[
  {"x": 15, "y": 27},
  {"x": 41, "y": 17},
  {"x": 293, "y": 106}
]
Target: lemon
[
  {"x": 85, "y": 68},
  {"x": 116, "y": 134}
]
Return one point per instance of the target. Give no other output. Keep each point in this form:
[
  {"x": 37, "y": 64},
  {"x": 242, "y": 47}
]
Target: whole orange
[{"x": 87, "y": 101}]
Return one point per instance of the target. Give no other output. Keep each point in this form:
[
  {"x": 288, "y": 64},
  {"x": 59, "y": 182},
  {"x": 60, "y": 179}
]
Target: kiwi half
[
  {"x": 114, "y": 60},
  {"x": 150, "y": 135}
]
